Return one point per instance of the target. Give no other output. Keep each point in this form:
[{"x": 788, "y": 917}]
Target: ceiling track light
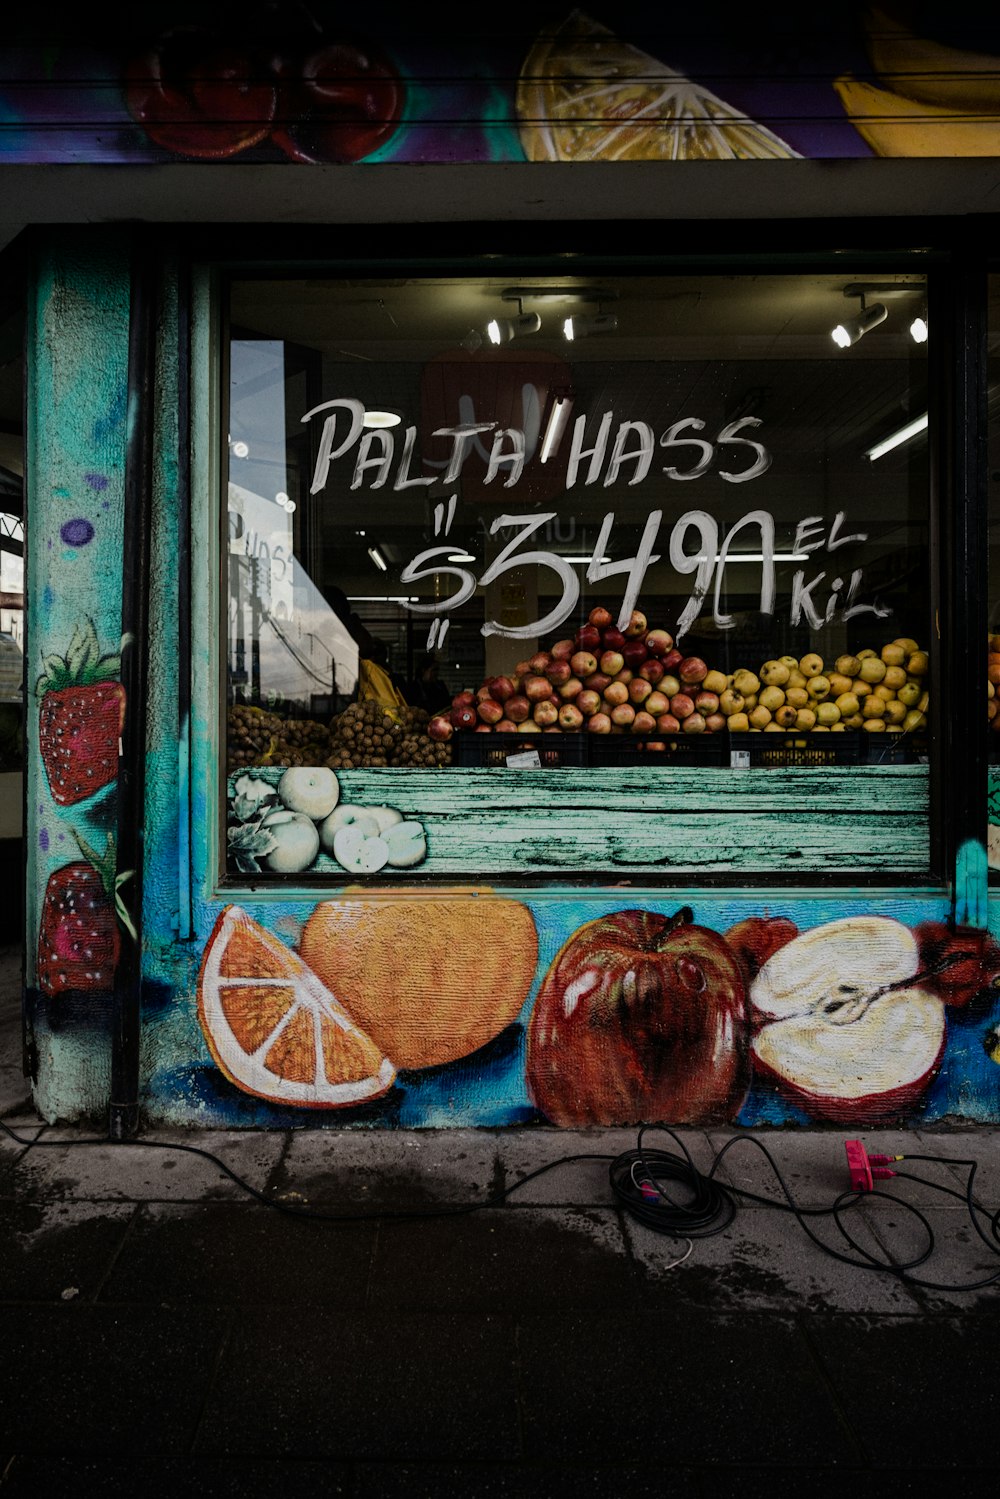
[
  {"x": 502, "y": 330},
  {"x": 584, "y": 327},
  {"x": 852, "y": 330}
]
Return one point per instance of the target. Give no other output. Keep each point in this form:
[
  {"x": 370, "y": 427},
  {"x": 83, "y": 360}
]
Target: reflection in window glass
[{"x": 467, "y": 516}]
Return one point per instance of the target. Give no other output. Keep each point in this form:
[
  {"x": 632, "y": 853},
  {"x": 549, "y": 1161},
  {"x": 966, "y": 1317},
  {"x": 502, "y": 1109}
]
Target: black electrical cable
[{"x": 663, "y": 1191}]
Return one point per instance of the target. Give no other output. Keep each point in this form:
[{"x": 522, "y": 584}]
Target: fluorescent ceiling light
[
  {"x": 381, "y": 419},
  {"x": 378, "y": 559},
  {"x": 919, "y": 424}
]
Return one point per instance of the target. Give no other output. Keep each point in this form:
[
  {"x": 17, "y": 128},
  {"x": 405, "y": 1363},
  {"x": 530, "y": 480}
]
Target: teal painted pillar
[{"x": 77, "y": 368}]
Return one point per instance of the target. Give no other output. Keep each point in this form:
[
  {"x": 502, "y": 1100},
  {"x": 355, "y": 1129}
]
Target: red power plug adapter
[{"x": 866, "y": 1169}]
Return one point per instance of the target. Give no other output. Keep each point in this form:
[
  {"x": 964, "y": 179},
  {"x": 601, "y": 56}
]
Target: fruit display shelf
[
  {"x": 492, "y": 751},
  {"x": 660, "y": 750}
]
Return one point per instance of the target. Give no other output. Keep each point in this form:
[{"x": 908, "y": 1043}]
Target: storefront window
[
  {"x": 579, "y": 524},
  {"x": 993, "y": 638}
]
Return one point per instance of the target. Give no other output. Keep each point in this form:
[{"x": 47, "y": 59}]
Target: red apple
[
  {"x": 546, "y": 714},
  {"x": 535, "y": 688},
  {"x": 588, "y": 702},
  {"x": 652, "y": 669},
  {"x": 464, "y": 699},
  {"x": 612, "y": 663},
  {"x": 657, "y": 703},
  {"x": 625, "y": 675},
  {"x": 464, "y": 718},
  {"x": 670, "y": 685},
  {"x": 715, "y": 723},
  {"x": 482, "y": 693},
  {"x": 634, "y": 654},
  {"x": 615, "y": 693},
  {"x": 613, "y": 639},
  {"x": 490, "y": 711},
  {"x": 681, "y": 706},
  {"x": 597, "y": 680},
  {"x": 668, "y": 723},
  {"x": 505, "y": 726},
  {"x": 707, "y": 702},
  {"x": 440, "y": 728},
  {"x": 570, "y": 718},
  {"x": 599, "y": 617},
  {"x": 757, "y": 938},
  {"x": 643, "y": 723},
  {"x": 503, "y": 688},
  {"x": 672, "y": 659},
  {"x": 484, "y": 728},
  {"x": 693, "y": 724},
  {"x": 560, "y": 671},
  {"x": 640, "y": 1017},
  {"x": 522, "y": 670},
  {"x": 637, "y": 625},
  {"x": 588, "y": 638},
  {"x": 584, "y": 663},
  {"x": 623, "y": 714},
  {"x": 692, "y": 670},
  {"x": 600, "y": 723},
  {"x": 658, "y": 642},
  {"x": 570, "y": 688},
  {"x": 967, "y": 961},
  {"x": 562, "y": 650},
  {"x": 518, "y": 708},
  {"x": 540, "y": 663},
  {"x": 639, "y": 690}
]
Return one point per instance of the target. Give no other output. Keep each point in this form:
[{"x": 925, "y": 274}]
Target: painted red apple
[
  {"x": 338, "y": 104},
  {"x": 967, "y": 961},
  {"x": 757, "y": 938},
  {"x": 197, "y": 95},
  {"x": 640, "y": 1017},
  {"x": 847, "y": 1030}
]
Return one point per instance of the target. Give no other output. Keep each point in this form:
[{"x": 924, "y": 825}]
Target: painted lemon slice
[
  {"x": 275, "y": 1030},
  {"x": 584, "y": 95}
]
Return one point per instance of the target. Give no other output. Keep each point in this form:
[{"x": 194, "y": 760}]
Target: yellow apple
[
  {"x": 919, "y": 664},
  {"x": 738, "y": 723},
  {"x": 805, "y": 719},
  {"x": 771, "y": 698},
  {"x": 797, "y": 696},
  {"x": 874, "y": 725},
  {"x": 760, "y": 716},
  {"x": 811, "y": 665},
  {"x": 827, "y": 713},
  {"x": 873, "y": 707},
  {"x": 872, "y": 669},
  {"x": 893, "y": 655},
  {"x": 745, "y": 682},
  {"x": 848, "y": 666},
  {"x": 848, "y": 704},
  {"x": 774, "y": 673},
  {"x": 818, "y": 687}
]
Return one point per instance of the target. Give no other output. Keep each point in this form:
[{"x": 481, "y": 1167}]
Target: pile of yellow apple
[{"x": 882, "y": 693}]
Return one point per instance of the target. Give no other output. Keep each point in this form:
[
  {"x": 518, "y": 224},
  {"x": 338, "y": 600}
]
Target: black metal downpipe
[{"x": 123, "y": 1120}]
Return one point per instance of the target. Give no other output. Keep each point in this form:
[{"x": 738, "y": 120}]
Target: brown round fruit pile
[
  {"x": 372, "y": 734},
  {"x": 993, "y": 682},
  {"x": 256, "y": 737}
]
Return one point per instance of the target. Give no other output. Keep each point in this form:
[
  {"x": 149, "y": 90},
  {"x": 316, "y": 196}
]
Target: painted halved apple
[{"x": 845, "y": 1027}]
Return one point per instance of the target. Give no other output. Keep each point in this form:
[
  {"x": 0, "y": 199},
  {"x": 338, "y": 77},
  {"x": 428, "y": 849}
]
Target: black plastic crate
[
  {"x": 793, "y": 749},
  {"x": 657, "y": 749},
  {"x": 491, "y": 751},
  {"x": 892, "y": 749}
]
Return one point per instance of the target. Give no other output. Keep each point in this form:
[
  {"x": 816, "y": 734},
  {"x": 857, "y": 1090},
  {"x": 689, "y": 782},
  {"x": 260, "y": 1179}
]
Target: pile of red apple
[{"x": 603, "y": 680}]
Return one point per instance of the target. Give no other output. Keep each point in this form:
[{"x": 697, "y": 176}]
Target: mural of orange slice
[
  {"x": 275, "y": 1030},
  {"x": 584, "y": 95}
]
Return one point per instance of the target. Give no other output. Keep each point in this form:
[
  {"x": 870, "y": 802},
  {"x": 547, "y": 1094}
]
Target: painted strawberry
[
  {"x": 80, "y": 717},
  {"x": 78, "y": 940}
]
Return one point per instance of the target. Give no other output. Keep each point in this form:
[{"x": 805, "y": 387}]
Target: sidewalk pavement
[{"x": 165, "y": 1333}]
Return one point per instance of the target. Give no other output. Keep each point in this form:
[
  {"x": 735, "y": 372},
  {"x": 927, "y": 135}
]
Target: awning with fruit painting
[{"x": 267, "y": 83}]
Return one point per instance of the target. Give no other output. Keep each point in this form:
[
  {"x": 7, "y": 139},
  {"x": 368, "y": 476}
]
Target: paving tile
[
  {"x": 924, "y": 1388},
  {"x": 502, "y": 1260},
  {"x": 765, "y": 1261},
  {"x": 27, "y": 1128},
  {"x": 154, "y": 1169},
  {"x": 59, "y": 1251},
  {"x": 175, "y": 1478},
  {"x": 370, "y": 1386},
  {"x": 580, "y": 1181},
  {"x": 958, "y": 1258},
  {"x": 86, "y": 1380},
  {"x": 220, "y": 1253},
  {"x": 672, "y": 1387},
  {"x": 500, "y": 1480},
  {"x": 981, "y": 1145},
  {"x": 15, "y": 1088},
  {"x": 860, "y": 1483},
  {"x": 812, "y": 1162},
  {"x": 393, "y": 1168}
]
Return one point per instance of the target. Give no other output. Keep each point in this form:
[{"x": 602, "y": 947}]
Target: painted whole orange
[{"x": 428, "y": 979}]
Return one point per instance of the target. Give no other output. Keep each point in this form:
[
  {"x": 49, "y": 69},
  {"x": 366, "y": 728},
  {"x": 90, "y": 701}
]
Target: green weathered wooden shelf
[{"x": 696, "y": 819}]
